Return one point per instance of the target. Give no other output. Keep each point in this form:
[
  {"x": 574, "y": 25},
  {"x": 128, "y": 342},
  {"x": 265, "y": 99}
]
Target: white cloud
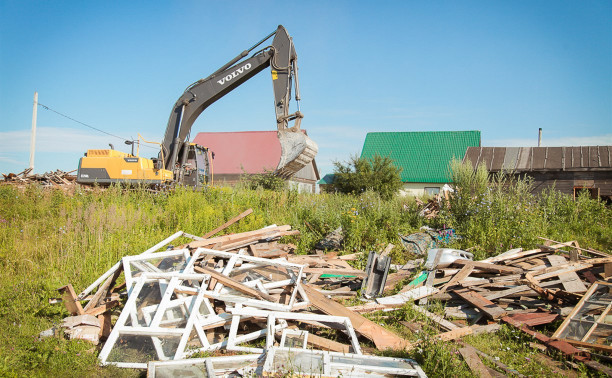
[
  {"x": 7, "y": 160},
  {"x": 598, "y": 140},
  {"x": 58, "y": 140}
]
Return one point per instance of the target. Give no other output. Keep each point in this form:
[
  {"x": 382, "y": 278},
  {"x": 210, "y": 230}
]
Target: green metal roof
[
  {"x": 327, "y": 179},
  {"x": 423, "y": 156}
]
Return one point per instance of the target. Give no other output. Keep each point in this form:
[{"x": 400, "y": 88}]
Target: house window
[
  {"x": 592, "y": 192},
  {"x": 432, "y": 190}
]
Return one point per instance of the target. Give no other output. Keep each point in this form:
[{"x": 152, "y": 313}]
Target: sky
[{"x": 505, "y": 68}]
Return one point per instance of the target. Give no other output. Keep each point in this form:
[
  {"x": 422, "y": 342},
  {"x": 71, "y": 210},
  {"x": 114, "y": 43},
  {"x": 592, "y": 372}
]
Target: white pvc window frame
[{"x": 357, "y": 369}]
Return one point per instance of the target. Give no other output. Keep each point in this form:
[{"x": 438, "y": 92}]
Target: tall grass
[
  {"x": 499, "y": 212},
  {"x": 49, "y": 238}
]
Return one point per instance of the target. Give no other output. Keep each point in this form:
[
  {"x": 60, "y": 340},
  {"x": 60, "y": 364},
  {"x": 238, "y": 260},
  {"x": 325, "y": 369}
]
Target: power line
[{"x": 86, "y": 125}]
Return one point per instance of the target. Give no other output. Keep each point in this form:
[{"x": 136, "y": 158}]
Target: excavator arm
[{"x": 297, "y": 149}]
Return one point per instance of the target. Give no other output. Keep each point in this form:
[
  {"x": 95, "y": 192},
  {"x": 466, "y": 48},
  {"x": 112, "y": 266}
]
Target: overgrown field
[{"x": 49, "y": 238}]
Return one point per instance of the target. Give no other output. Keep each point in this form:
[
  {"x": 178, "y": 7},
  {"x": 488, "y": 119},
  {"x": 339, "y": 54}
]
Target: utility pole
[{"x": 33, "y": 136}]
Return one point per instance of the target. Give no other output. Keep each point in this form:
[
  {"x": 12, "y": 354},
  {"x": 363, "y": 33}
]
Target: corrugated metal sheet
[{"x": 521, "y": 159}]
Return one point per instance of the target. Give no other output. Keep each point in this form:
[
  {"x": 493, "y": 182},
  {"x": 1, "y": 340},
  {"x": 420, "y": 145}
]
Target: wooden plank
[
  {"x": 231, "y": 283},
  {"x": 382, "y": 338},
  {"x": 570, "y": 280},
  {"x": 454, "y": 334},
  {"x": 489, "y": 267},
  {"x": 436, "y": 318},
  {"x": 104, "y": 290},
  {"x": 608, "y": 270},
  {"x": 457, "y": 278},
  {"x": 234, "y": 237},
  {"x": 325, "y": 344},
  {"x": 555, "y": 271},
  {"x": 401, "y": 298},
  {"x": 105, "y": 325},
  {"x": 70, "y": 300},
  {"x": 227, "y": 224},
  {"x": 503, "y": 293},
  {"x": 474, "y": 362},
  {"x": 102, "y": 309},
  {"x": 489, "y": 308}
]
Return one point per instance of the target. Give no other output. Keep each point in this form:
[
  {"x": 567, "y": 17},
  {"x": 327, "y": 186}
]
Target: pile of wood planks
[{"x": 58, "y": 178}]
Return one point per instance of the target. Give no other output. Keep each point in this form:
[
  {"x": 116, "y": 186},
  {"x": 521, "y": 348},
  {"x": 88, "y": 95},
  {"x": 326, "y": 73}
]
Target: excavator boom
[
  {"x": 186, "y": 163},
  {"x": 297, "y": 149}
]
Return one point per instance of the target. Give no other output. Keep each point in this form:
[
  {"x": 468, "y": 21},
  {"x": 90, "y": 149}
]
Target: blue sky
[{"x": 505, "y": 68}]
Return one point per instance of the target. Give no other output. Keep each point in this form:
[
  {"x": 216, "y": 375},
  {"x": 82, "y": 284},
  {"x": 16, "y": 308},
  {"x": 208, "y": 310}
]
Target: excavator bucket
[{"x": 297, "y": 151}]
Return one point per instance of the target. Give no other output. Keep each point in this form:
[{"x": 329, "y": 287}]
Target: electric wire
[{"x": 86, "y": 125}]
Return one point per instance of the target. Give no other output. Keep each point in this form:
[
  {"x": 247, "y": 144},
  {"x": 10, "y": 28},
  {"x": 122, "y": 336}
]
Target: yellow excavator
[{"x": 185, "y": 163}]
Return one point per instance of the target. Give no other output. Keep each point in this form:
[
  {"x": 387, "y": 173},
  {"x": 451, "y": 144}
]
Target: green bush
[{"x": 358, "y": 175}]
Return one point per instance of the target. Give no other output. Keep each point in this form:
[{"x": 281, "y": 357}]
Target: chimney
[{"x": 540, "y": 137}]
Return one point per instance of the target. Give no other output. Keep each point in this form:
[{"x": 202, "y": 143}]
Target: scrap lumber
[
  {"x": 459, "y": 277},
  {"x": 491, "y": 359},
  {"x": 401, "y": 298},
  {"x": 231, "y": 283},
  {"x": 445, "y": 324},
  {"x": 459, "y": 332},
  {"x": 103, "y": 291},
  {"x": 574, "y": 245},
  {"x": 394, "y": 278},
  {"x": 474, "y": 362},
  {"x": 70, "y": 300},
  {"x": 492, "y": 310},
  {"x": 343, "y": 272},
  {"x": 382, "y": 338},
  {"x": 102, "y": 309},
  {"x": 227, "y": 224},
  {"x": 489, "y": 267},
  {"x": 252, "y": 235},
  {"x": 570, "y": 280},
  {"x": 327, "y": 344}
]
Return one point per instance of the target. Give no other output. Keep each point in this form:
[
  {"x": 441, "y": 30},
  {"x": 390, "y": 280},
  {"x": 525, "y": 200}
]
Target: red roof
[{"x": 243, "y": 151}]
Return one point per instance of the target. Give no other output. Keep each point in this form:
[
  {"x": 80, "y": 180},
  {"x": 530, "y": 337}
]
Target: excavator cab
[{"x": 196, "y": 169}]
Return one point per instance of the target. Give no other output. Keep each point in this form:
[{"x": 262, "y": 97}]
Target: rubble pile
[
  {"x": 248, "y": 293},
  {"x": 58, "y": 179}
]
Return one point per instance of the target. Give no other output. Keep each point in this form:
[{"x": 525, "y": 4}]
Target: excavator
[{"x": 184, "y": 163}]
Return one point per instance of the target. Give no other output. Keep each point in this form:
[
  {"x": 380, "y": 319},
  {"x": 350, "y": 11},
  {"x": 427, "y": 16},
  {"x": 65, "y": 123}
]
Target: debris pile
[
  {"x": 249, "y": 293},
  {"x": 58, "y": 178},
  {"x": 523, "y": 289},
  {"x": 238, "y": 293}
]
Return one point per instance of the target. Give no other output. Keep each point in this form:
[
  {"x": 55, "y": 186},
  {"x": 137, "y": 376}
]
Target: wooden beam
[
  {"x": 457, "y": 278},
  {"x": 70, "y": 300},
  {"x": 227, "y": 224},
  {"x": 382, "y": 338},
  {"x": 489, "y": 267},
  {"x": 492, "y": 310},
  {"x": 231, "y": 283},
  {"x": 570, "y": 280},
  {"x": 474, "y": 362},
  {"x": 102, "y": 309}
]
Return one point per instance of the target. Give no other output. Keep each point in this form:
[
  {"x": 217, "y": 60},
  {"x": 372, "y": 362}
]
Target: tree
[{"x": 378, "y": 174}]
